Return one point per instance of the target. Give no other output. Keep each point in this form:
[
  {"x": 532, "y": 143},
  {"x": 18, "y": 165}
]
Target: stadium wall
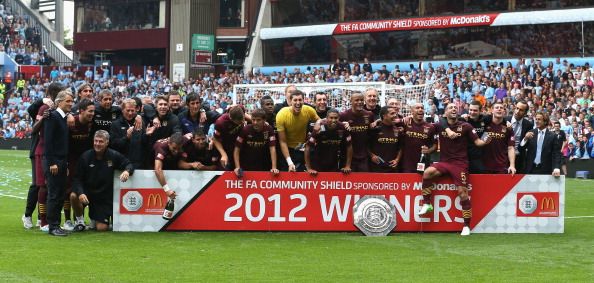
[
  {"x": 16, "y": 144},
  {"x": 406, "y": 65}
]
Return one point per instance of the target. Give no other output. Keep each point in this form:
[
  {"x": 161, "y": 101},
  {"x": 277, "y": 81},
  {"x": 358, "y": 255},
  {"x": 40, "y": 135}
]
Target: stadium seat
[{"x": 582, "y": 174}]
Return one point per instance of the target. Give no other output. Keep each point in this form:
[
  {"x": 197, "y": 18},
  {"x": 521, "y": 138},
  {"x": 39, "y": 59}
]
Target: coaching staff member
[
  {"x": 520, "y": 126},
  {"x": 55, "y": 156},
  {"x": 94, "y": 178},
  {"x": 543, "y": 148}
]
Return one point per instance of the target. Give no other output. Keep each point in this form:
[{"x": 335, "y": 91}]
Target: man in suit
[
  {"x": 543, "y": 149},
  {"x": 55, "y": 156},
  {"x": 520, "y": 126}
]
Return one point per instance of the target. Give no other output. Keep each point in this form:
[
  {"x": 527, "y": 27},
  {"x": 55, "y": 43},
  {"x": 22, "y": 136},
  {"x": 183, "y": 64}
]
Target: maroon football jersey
[
  {"x": 255, "y": 148},
  {"x": 359, "y": 123},
  {"x": 455, "y": 151},
  {"x": 495, "y": 156},
  {"x": 413, "y": 137}
]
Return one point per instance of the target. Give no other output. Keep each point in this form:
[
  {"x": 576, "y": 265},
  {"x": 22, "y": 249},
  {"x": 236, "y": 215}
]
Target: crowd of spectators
[
  {"x": 20, "y": 39},
  {"x": 563, "y": 90}
]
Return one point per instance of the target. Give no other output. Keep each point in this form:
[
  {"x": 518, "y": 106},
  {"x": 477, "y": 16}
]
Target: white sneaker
[
  {"x": 465, "y": 231},
  {"x": 27, "y": 222},
  {"x": 68, "y": 226},
  {"x": 80, "y": 226},
  {"x": 44, "y": 229},
  {"x": 426, "y": 208},
  {"x": 38, "y": 224}
]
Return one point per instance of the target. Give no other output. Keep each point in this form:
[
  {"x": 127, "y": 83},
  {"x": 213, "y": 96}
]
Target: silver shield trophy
[{"x": 374, "y": 215}]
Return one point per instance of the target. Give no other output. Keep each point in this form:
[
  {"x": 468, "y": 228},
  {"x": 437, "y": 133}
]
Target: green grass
[{"x": 32, "y": 256}]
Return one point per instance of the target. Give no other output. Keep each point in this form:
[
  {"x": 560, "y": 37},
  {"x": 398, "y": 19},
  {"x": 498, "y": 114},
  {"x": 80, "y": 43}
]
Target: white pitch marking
[
  {"x": 576, "y": 217},
  {"x": 11, "y": 196}
]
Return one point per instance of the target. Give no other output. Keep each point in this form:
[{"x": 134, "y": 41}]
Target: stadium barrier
[
  {"x": 219, "y": 201},
  {"x": 16, "y": 144}
]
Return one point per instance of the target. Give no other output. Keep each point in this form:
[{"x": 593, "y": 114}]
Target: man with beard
[
  {"x": 499, "y": 155},
  {"x": 371, "y": 99},
  {"x": 190, "y": 119},
  {"x": 478, "y": 122},
  {"x": 55, "y": 165},
  {"x": 358, "y": 122},
  {"x": 291, "y": 124},
  {"x": 94, "y": 179},
  {"x": 453, "y": 162},
  {"x": 79, "y": 142},
  {"x": 384, "y": 148},
  {"x": 323, "y": 148},
  {"x": 84, "y": 91},
  {"x": 227, "y": 128},
  {"x": 417, "y": 138},
  {"x": 196, "y": 155},
  {"x": 255, "y": 147},
  {"x": 125, "y": 138}
]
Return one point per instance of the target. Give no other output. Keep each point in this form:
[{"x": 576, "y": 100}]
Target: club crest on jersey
[
  {"x": 113, "y": 116},
  {"x": 426, "y": 130},
  {"x": 265, "y": 135},
  {"x": 503, "y": 130},
  {"x": 109, "y": 163},
  {"x": 164, "y": 123},
  {"x": 366, "y": 119},
  {"x": 459, "y": 129}
]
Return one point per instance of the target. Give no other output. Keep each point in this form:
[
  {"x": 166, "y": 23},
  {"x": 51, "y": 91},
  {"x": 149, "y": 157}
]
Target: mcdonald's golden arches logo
[
  {"x": 154, "y": 201},
  {"x": 547, "y": 203}
]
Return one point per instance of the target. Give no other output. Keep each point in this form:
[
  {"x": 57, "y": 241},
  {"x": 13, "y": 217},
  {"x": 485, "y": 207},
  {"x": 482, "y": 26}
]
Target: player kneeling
[{"x": 94, "y": 178}]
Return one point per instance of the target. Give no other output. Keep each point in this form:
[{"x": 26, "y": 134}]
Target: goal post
[{"x": 338, "y": 93}]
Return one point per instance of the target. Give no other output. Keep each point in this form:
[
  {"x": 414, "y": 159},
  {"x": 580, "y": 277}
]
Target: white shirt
[{"x": 62, "y": 113}]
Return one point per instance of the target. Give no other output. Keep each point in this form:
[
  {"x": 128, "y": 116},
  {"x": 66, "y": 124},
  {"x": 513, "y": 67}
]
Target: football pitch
[{"x": 33, "y": 256}]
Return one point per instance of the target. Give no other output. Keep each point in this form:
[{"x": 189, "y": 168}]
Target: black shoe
[
  {"x": 58, "y": 232},
  {"x": 79, "y": 228}
]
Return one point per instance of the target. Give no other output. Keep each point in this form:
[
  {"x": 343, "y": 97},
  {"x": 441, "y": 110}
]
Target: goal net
[{"x": 338, "y": 93}]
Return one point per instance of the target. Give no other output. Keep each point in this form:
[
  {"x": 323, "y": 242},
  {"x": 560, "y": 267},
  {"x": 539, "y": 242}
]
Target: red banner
[
  {"x": 416, "y": 23},
  {"x": 536, "y": 204},
  {"x": 142, "y": 201},
  {"x": 300, "y": 202}
]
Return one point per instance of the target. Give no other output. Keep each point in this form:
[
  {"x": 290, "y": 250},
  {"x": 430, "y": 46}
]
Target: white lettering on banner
[
  {"x": 234, "y": 184},
  {"x": 417, "y": 186},
  {"x": 237, "y": 205},
  {"x": 463, "y": 20},
  {"x": 295, "y": 185},
  {"x": 337, "y": 207},
  {"x": 442, "y": 209},
  {"x": 261, "y": 208},
  {"x": 404, "y": 213},
  {"x": 328, "y": 212}
]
